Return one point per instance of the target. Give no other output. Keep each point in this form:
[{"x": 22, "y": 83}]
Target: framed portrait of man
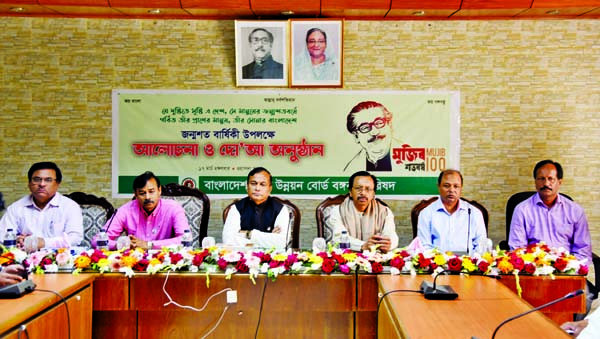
[
  {"x": 261, "y": 53},
  {"x": 317, "y": 53}
]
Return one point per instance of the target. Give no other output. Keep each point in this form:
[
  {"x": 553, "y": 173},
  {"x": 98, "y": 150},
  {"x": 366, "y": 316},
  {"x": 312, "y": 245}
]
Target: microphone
[
  {"x": 290, "y": 227},
  {"x": 435, "y": 292},
  {"x": 567, "y": 296},
  {"x": 469, "y": 232},
  {"x": 110, "y": 221}
]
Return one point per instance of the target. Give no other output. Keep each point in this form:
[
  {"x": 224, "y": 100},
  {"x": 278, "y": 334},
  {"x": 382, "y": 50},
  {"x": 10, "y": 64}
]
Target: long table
[
  {"x": 41, "y": 314},
  {"x": 482, "y": 305}
]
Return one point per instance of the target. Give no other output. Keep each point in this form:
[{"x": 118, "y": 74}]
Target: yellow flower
[
  {"x": 128, "y": 261},
  {"x": 280, "y": 257},
  {"x": 349, "y": 256},
  {"x": 61, "y": 250},
  {"x": 103, "y": 262},
  {"x": 83, "y": 261},
  {"x": 154, "y": 261},
  {"x": 528, "y": 257},
  {"x": 439, "y": 259},
  {"x": 487, "y": 256},
  {"x": 468, "y": 265},
  {"x": 315, "y": 259},
  {"x": 505, "y": 266}
]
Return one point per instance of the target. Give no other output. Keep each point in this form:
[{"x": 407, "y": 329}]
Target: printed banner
[{"x": 310, "y": 141}]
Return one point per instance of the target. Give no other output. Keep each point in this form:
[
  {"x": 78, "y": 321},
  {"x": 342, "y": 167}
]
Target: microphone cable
[
  {"x": 382, "y": 296},
  {"x": 64, "y": 301},
  {"x": 260, "y": 310}
]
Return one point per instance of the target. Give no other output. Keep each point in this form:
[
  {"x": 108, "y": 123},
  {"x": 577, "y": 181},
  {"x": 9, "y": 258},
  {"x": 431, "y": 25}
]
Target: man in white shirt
[
  {"x": 46, "y": 217},
  {"x": 258, "y": 219}
]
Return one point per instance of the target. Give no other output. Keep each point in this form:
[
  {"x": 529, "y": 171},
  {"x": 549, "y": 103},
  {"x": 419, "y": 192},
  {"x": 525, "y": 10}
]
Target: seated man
[
  {"x": 368, "y": 222},
  {"x": 258, "y": 219},
  {"x": 449, "y": 223},
  {"x": 549, "y": 217},
  {"x": 48, "y": 218},
  {"x": 150, "y": 222},
  {"x": 589, "y": 328}
]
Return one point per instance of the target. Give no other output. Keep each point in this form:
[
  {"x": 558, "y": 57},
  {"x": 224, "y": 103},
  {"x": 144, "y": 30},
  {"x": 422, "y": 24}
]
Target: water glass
[
  {"x": 319, "y": 245},
  {"x": 208, "y": 242}
]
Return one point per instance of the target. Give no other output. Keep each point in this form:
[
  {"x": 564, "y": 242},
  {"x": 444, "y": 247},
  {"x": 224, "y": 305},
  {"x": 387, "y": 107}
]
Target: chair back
[
  {"x": 196, "y": 205},
  {"x": 416, "y": 210},
  {"x": 516, "y": 199},
  {"x": 295, "y": 241},
  {"x": 95, "y": 212},
  {"x": 323, "y": 211}
]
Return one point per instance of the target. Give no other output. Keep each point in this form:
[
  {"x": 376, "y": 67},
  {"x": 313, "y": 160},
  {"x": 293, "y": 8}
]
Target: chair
[
  {"x": 295, "y": 218},
  {"x": 324, "y": 209},
  {"x": 95, "y": 211},
  {"x": 519, "y": 197},
  {"x": 414, "y": 212},
  {"x": 196, "y": 205}
]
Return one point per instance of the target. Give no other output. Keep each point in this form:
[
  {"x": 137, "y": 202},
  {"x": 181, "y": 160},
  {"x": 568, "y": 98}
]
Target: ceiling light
[
  {"x": 17, "y": 9},
  {"x": 154, "y": 11},
  {"x": 553, "y": 12},
  {"x": 287, "y": 13},
  {"x": 418, "y": 13}
]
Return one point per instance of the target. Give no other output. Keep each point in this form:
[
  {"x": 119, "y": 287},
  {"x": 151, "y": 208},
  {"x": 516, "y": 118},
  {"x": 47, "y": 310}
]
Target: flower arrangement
[{"x": 537, "y": 259}]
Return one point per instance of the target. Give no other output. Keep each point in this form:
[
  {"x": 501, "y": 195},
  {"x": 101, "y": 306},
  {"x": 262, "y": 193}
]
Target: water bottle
[
  {"x": 344, "y": 240},
  {"x": 186, "y": 239},
  {"x": 102, "y": 241},
  {"x": 10, "y": 238}
]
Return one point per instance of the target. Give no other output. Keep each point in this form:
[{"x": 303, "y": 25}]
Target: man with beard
[
  {"x": 263, "y": 66},
  {"x": 449, "y": 223},
  {"x": 549, "y": 217},
  {"x": 47, "y": 217},
  {"x": 371, "y": 125},
  {"x": 258, "y": 219},
  {"x": 369, "y": 222},
  {"x": 150, "y": 222}
]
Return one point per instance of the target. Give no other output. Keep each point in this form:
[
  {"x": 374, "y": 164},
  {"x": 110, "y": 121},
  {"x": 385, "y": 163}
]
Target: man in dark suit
[{"x": 263, "y": 66}]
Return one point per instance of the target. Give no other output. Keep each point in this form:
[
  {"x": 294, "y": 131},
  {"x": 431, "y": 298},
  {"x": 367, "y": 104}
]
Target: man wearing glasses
[
  {"x": 368, "y": 221},
  {"x": 258, "y": 219},
  {"x": 371, "y": 125},
  {"x": 45, "y": 218},
  {"x": 263, "y": 66}
]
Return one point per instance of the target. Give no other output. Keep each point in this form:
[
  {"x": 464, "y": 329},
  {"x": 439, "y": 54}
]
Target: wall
[{"x": 530, "y": 90}]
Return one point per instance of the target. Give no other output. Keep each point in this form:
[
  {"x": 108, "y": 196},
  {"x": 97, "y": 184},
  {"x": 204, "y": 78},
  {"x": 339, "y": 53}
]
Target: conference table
[
  {"x": 112, "y": 305},
  {"x": 482, "y": 305}
]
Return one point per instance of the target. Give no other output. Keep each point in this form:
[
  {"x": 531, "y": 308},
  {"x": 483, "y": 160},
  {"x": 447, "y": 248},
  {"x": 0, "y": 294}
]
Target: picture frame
[
  {"x": 261, "y": 53},
  {"x": 307, "y": 39}
]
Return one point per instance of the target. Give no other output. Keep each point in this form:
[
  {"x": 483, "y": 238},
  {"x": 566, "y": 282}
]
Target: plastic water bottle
[
  {"x": 10, "y": 238},
  {"x": 344, "y": 240},
  {"x": 102, "y": 241},
  {"x": 186, "y": 239}
]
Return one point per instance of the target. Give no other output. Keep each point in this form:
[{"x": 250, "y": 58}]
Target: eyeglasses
[
  {"x": 552, "y": 180},
  {"x": 38, "y": 180},
  {"x": 363, "y": 189},
  {"x": 264, "y": 40},
  {"x": 367, "y": 127},
  {"x": 314, "y": 42}
]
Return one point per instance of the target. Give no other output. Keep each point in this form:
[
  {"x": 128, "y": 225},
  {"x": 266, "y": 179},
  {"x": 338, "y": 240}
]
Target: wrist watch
[{"x": 150, "y": 244}]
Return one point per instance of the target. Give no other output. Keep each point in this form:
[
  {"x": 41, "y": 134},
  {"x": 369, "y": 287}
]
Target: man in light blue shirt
[{"x": 449, "y": 223}]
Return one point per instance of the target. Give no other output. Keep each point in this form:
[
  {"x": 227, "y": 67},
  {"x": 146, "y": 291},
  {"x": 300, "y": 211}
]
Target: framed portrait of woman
[
  {"x": 261, "y": 53},
  {"x": 317, "y": 53}
]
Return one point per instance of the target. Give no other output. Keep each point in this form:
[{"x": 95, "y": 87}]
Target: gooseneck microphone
[
  {"x": 112, "y": 217},
  {"x": 290, "y": 227},
  {"x": 435, "y": 292},
  {"x": 567, "y": 296},
  {"x": 469, "y": 232}
]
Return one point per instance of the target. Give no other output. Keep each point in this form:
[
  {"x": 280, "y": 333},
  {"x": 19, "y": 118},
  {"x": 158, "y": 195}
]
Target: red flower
[
  {"x": 328, "y": 265},
  {"x": 424, "y": 262},
  {"x": 483, "y": 266},
  {"x": 404, "y": 254},
  {"x": 274, "y": 264},
  {"x": 397, "y": 262},
  {"x": 583, "y": 270},
  {"x": 454, "y": 264},
  {"x": 222, "y": 263},
  {"x": 96, "y": 256},
  {"x": 517, "y": 262},
  {"x": 560, "y": 264},
  {"x": 338, "y": 258},
  {"x": 291, "y": 259},
  {"x": 141, "y": 265},
  {"x": 199, "y": 258},
  {"x": 376, "y": 267},
  {"x": 175, "y": 257},
  {"x": 529, "y": 268},
  {"x": 242, "y": 267}
]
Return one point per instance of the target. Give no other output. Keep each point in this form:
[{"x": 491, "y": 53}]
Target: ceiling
[{"x": 277, "y": 9}]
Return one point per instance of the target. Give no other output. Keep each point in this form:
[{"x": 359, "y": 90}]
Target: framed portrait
[
  {"x": 261, "y": 53},
  {"x": 317, "y": 53}
]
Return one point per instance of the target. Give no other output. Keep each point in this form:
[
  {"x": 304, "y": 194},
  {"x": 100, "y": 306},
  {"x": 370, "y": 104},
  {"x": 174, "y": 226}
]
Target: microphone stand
[{"x": 469, "y": 232}]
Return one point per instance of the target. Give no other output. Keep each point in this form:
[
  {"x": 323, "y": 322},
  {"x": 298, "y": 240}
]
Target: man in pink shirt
[{"x": 149, "y": 221}]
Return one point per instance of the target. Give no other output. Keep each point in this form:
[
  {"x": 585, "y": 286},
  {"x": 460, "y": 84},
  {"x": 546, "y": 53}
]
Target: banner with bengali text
[{"x": 211, "y": 139}]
